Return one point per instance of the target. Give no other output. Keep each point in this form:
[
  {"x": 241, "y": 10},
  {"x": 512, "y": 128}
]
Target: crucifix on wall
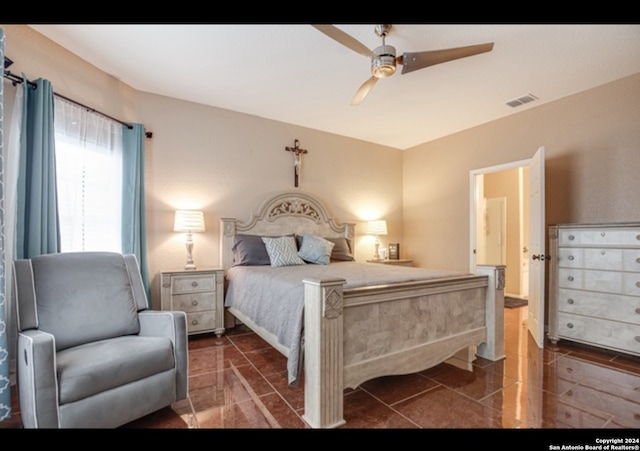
[{"x": 297, "y": 160}]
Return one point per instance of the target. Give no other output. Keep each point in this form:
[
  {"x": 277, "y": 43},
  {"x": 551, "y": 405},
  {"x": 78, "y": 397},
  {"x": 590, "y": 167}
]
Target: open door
[{"x": 537, "y": 232}]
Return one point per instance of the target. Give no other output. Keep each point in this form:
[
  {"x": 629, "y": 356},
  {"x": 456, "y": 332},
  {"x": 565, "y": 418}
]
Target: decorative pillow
[
  {"x": 249, "y": 250},
  {"x": 282, "y": 251},
  {"x": 315, "y": 249},
  {"x": 342, "y": 250}
]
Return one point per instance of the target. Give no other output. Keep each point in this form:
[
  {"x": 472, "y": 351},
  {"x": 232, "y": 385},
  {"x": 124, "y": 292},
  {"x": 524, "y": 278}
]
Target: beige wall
[{"x": 226, "y": 163}]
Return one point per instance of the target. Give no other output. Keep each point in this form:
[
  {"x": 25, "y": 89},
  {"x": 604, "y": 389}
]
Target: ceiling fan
[{"x": 384, "y": 60}]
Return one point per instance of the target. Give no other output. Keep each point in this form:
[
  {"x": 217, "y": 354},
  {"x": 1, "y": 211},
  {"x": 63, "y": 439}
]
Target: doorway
[
  {"x": 502, "y": 226},
  {"x": 529, "y": 247}
]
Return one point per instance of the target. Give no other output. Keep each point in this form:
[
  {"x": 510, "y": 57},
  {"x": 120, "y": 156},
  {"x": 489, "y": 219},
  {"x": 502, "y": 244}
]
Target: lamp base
[
  {"x": 190, "y": 264},
  {"x": 376, "y": 253}
]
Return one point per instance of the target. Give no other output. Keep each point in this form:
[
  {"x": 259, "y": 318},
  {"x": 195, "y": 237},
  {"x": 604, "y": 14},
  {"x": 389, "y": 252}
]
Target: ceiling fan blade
[
  {"x": 363, "y": 90},
  {"x": 420, "y": 60},
  {"x": 344, "y": 39}
]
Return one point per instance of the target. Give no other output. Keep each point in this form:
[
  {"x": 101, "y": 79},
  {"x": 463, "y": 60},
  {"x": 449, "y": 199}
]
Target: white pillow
[
  {"x": 315, "y": 249},
  {"x": 282, "y": 251}
]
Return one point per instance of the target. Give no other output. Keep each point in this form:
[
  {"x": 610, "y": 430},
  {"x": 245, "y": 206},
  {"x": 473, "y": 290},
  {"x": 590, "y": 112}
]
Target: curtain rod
[{"x": 15, "y": 79}]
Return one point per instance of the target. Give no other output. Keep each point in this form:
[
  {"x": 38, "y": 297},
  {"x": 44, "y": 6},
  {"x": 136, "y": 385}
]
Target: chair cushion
[
  {"x": 92, "y": 368},
  {"x": 83, "y": 297}
]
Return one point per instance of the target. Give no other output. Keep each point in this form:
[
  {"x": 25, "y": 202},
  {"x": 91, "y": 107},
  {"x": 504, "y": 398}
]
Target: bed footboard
[{"x": 352, "y": 336}]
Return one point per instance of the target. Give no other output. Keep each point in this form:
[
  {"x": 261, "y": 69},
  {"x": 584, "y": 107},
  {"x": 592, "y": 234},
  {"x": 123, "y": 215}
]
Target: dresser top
[
  {"x": 597, "y": 224},
  {"x": 190, "y": 271}
]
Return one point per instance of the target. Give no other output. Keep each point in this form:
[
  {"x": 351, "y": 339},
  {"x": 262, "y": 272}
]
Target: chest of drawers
[
  {"x": 199, "y": 293},
  {"x": 594, "y": 285}
]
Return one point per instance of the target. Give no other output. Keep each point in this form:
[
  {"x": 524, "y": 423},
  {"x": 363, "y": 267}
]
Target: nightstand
[
  {"x": 199, "y": 293},
  {"x": 399, "y": 262}
]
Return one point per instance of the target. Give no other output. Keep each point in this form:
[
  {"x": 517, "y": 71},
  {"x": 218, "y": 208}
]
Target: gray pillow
[
  {"x": 341, "y": 251},
  {"x": 249, "y": 250},
  {"x": 315, "y": 249}
]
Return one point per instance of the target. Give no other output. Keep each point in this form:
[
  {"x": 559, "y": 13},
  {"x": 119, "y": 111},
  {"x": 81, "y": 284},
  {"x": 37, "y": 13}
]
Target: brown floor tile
[
  {"x": 393, "y": 389},
  {"x": 442, "y": 407}
]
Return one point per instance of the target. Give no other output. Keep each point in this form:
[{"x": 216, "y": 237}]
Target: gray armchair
[{"x": 91, "y": 354}]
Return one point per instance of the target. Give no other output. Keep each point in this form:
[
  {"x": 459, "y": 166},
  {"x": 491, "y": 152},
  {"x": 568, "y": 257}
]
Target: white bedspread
[{"x": 273, "y": 298}]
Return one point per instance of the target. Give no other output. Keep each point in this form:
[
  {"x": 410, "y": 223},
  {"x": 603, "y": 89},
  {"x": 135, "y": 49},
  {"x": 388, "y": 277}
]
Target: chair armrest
[
  {"x": 173, "y": 325},
  {"x": 37, "y": 380}
]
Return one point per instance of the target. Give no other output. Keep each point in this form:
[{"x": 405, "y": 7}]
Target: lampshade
[
  {"x": 189, "y": 221},
  {"x": 378, "y": 227}
]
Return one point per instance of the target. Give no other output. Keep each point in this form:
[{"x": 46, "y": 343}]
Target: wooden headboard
[{"x": 285, "y": 213}]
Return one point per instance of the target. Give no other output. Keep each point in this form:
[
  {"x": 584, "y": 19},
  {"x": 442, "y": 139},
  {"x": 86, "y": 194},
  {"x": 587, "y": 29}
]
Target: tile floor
[{"x": 238, "y": 381}]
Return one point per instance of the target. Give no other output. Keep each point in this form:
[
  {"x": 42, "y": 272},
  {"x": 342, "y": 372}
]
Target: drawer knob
[
  {"x": 638, "y": 284},
  {"x": 602, "y": 234},
  {"x": 637, "y": 339},
  {"x": 194, "y": 284},
  {"x": 569, "y": 301},
  {"x": 602, "y": 252},
  {"x": 638, "y": 310},
  {"x": 638, "y": 260},
  {"x": 571, "y": 237},
  {"x": 638, "y": 237},
  {"x": 571, "y": 257},
  {"x": 194, "y": 302},
  {"x": 570, "y": 325},
  {"x": 194, "y": 322},
  {"x": 570, "y": 278}
]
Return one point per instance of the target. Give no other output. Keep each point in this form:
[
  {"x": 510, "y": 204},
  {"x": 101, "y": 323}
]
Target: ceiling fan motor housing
[{"x": 384, "y": 63}]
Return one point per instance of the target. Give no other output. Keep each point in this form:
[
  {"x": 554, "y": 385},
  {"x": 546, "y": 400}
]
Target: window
[{"x": 89, "y": 179}]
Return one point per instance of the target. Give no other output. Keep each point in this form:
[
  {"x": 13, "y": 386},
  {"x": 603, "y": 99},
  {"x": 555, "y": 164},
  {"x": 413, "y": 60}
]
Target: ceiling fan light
[{"x": 384, "y": 64}]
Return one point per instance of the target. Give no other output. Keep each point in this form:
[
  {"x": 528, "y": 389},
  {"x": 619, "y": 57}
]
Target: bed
[{"x": 340, "y": 322}]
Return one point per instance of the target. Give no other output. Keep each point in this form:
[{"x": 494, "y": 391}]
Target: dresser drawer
[
  {"x": 631, "y": 260},
  {"x": 601, "y": 281},
  {"x": 584, "y": 279},
  {"x": 194, "y": 302},
  {"x": 201, "y": 321},
  {"x": 599, "y": 258},
  {"x": 600, "y": 332},
  {"x": 631, "y": 283},
  {"x": 600, "y": 305},
  {"x": 600, "y": 236},
  {"x": 186, "y": 284}
]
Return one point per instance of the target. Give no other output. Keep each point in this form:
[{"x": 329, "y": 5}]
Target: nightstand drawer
[
  {"x": 201, "y": 322},
  {"x": 184, "y": 284},
  {"x": 194, "y": 302}
]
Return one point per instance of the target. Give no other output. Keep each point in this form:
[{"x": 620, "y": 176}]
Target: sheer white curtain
[{"x": 89, "y": 178}]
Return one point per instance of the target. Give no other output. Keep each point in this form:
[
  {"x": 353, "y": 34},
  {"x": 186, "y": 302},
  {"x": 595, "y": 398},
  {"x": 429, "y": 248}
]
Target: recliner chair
[{"x": 91, "y": 353}]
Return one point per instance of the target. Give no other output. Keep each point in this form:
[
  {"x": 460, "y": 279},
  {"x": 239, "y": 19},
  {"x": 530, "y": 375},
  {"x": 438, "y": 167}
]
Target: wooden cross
[{"x": 297, "y": 160}]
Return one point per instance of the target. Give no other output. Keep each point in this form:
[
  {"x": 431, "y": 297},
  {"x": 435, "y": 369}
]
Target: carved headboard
[{"x": 285, "y": 213}]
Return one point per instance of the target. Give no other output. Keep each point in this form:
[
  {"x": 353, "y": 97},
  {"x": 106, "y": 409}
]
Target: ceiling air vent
[{"x": 521, "y": 100}]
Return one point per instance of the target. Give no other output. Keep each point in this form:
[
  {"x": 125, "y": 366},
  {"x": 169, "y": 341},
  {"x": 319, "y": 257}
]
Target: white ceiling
[{"x": 293, "y": 73}]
